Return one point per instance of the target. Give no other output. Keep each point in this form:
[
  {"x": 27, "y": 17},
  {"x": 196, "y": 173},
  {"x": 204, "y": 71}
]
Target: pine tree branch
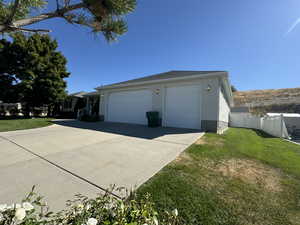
[
  {"x": 14, "y": 11},
  {"x": 44, "y": 16},
  {"x": 32, "y": 30}
]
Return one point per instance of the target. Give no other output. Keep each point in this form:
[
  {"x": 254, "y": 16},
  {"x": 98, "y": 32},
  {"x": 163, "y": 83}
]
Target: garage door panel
[
  {"x": 129, "y": 107},
  {"x": 183, "y": 107}
]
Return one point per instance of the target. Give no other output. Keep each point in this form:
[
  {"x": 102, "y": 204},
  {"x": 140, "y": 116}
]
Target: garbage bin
[{"x": 153, "y": 119}]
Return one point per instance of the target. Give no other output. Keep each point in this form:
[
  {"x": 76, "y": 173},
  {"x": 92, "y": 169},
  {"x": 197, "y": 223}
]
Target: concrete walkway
[{"x": 73, "y": 157}]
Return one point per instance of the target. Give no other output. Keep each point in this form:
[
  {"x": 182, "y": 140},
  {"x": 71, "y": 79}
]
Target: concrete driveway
[{"x": 73, "y": 157}]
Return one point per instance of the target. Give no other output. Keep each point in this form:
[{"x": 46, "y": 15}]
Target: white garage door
[
  {"x": 183, "y": 107},
  {"x": 129, "y": 106}
]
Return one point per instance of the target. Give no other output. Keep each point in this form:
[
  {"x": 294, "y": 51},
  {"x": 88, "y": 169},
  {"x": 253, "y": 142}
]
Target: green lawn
[
  {"x": 242, "y": 177},
  {"x": 22, "y": 124}
]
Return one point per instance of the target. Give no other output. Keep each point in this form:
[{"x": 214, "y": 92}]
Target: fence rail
[{"x": 273, "y": 125}]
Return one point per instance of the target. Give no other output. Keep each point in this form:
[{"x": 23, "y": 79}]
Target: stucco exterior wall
[
  {"x": 210, "y": 105},
  {"x": 209, "y": 99},
  {"x": 224, "y": 111}
]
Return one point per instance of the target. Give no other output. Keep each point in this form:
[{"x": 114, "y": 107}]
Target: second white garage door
[
  {"x": 129, "y": 106},
  {"x": 183, "y": 107}
]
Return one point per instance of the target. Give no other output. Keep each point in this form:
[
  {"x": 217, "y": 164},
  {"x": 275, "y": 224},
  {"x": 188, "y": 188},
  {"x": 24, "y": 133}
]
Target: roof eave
[
  {"x": 228, "y": 90},
  {"x": 216, "y": 74},
  {"x": 91, "y": 94}
]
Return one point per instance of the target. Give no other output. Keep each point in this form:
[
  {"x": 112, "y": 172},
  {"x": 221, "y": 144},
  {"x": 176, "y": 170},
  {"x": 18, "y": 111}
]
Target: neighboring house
[
  {"x": 92, "y": 100},
  {"x": 184, "y": 99},
  {"x": 71, "y": 102}
]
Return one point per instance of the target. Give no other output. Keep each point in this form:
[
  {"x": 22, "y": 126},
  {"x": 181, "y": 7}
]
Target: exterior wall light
[
  {"x": 157, "y": 91},
  {"x": 208, "y": 88}
]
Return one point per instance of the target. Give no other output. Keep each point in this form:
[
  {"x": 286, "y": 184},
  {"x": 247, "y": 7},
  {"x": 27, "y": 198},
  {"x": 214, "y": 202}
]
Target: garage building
[{"x": 185, "y": 99}]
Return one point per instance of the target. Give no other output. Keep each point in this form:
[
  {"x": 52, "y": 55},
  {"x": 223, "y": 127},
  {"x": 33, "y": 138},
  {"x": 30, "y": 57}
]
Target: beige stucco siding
[
  {"x": 224, "y": 108},
  {"x": 224, "y": 111},
  {"x": 210, "y": 99}
]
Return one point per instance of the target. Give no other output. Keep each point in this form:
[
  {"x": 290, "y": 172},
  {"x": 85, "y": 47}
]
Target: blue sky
[{"x": 246, "y": 38}]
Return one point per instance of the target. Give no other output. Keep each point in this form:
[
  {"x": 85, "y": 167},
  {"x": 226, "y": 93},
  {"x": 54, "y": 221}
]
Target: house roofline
[
  {"x": 94, "y": 93},
  {"x": 228, "y": 91},
  {"x": 112, "y": 86}
]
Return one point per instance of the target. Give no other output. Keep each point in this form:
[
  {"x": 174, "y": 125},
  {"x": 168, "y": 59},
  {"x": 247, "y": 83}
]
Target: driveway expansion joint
[
  {"x": 60, "y": 167},
  {"x": 171, "y": 142}
]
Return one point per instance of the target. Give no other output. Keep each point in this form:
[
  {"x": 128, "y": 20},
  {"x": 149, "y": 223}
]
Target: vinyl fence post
[{"x": 281, "y": 120}]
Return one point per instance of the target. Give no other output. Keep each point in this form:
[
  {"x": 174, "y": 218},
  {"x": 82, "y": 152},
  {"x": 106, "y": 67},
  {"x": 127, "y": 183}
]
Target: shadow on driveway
[{"x": 131, "y": 130}]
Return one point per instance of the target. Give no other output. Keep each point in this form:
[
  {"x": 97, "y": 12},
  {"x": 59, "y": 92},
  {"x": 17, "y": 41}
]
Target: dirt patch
[
  {"x": 217, "y": 142},
  {"x": 295, "y": 218},
  {"x": 251, "y": 172},
  {"x": 202, "y": 141},
  {"x": 183, "y": 158}
]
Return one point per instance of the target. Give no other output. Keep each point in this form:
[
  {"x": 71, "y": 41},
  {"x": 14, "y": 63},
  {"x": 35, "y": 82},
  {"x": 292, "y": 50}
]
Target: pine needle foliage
[{"x": 100, "y": 16}]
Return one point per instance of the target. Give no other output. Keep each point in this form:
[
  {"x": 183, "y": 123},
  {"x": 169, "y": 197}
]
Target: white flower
[
  {"x": 3, "y": 207},
  {"x": 92, "y": 221},
  {"x": 20, "y": 213},
  {"x": 88, "y": 206},
  {"x": 80, "y": 207},
  {"x": 175, "y": 212},
  {"x": 27, "y": 206},
  {"x": 155, "y": 220}
]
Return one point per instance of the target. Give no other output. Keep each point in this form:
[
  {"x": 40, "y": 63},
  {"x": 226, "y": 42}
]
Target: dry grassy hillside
[{"x": 271, "y": 100}]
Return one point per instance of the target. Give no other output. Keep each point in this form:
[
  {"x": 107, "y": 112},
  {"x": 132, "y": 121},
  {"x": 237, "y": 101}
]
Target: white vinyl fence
[
  {"x": 273, "y": 125},
  {"x": 245, "y": 120}
]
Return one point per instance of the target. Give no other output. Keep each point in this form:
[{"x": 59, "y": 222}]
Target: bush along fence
[
  {"x": 273, "y": 125},
  {"x": 102, "y": 210}
]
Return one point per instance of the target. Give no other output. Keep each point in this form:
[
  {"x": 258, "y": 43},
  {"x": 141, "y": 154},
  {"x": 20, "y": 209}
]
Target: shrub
[
  {"x": 37, "y": 112},
  {"x": 102, "y": 210},
  {"x": 2, "y": 111},
  {"x": 14, "y": 111}
]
